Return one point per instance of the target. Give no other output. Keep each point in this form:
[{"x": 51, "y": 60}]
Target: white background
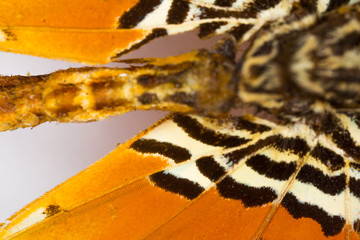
[{"x": 33, "y": 161}]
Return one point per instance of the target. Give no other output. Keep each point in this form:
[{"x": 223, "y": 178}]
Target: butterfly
[{"x": 285, "y": 167}]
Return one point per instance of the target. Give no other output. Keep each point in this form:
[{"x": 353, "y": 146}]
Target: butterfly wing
[
  {"x": 117, "y": 196},
  {"x": 100, "y": 31},
  {"x": 194, "y": 177}
]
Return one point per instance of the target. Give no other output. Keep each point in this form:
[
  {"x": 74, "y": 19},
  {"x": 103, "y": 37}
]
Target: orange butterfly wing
[{"x": 83, "y": 31}]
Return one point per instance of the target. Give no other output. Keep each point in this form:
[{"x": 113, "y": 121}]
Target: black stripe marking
[
  {"x": 296, "y": 145},
  {"x": 328, "y": 157},
  {"x": 265, "y": 166},
  {"x": 256, "y": 6},
  {"x": 224, "y": 3},
  {"x": 330, "y": 225},
  {"x": 135, "y": 15},
  {"x": 176, "y": 153},
  {"x": 330, "y": 185},
  {"x": 173, "y": 184},
  {"x": 241, "y": 124},
  {"x": 195, "y": 130},
  {"x": 178, "y": 12},
  {"x": 206, "y": 29},
  {"x": 237, "y": 155},
  {"x": 250, "y": 196},
  {"x": 354, "y": 185},
  {"x": 341, "y": 137},
  {"x": 210, "y": 168},
  {"x": 157, "y": 32},
  {"x": 213, "y": 13}
]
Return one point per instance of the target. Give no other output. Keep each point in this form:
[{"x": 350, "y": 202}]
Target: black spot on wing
[
  {"x": 354, "y": 185},
  {"x": 176, "y": 153},
  {"x": 208, "y": 136},
  {"x": 177, "y": 185},
  {"x": 242, "y": 124},
  {"x": 330, "y": 185},
  {"x": 210, "y": 168},
  {"x": 135, "y": 15},
  {"x": 256, "y": 6},
  {"x": 328, "y": 157},
  {"x": 236, "y": 156},
  {"x": 224, "y": 3},
  {"x": 331, "y": 126},
  {"x": 331, "y": 225},
  {"x": 52, "y": 210},
  {"x": 156, "y": 32},
  {"x": 213, "y": 13},
  {"x": 178, "y": 12},
  {"x": 207, "y": 29},
  {"x": 250, "y": 196},
  {"x": 271, "y": 169},
  {"x": 295, "y": 145}
]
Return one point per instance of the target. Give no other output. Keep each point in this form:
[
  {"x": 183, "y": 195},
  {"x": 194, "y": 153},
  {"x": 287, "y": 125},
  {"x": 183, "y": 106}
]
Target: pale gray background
[{"x": 33, "y": 161}]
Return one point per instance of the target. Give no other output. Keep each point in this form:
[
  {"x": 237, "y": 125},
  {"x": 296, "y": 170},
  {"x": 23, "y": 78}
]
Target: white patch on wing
[
  {"x": 191, "y": 172},
  {"x": 172, "y": 133},
  {"x": 277, "y": 156},
  {"x": 354, "y": 205},
  {"x": 179, "y": 28},
  {"x": 354, "y": 173},
  {"x": 3, "y": 36},
  {"x": 351, "y": 126},
  {"x": 307, "y": 193},
  {"x": 33, "y": 218},
  {"x": 240, "y": 4},
  {"x": 222, "y": 161},
  {"x": 156, "y": 18},
  {"x": 248, "y": 176}
]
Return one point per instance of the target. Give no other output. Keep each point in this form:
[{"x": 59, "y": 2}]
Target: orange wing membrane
[
  {"x": 98, "y": 31},
  {"x": 200, "y": 178},
  {"x": 84, "y": 31}
]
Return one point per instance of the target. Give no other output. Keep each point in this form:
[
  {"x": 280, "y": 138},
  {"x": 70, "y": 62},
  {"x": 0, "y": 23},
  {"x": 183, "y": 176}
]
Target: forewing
[{"x": 98, "y": 31}]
